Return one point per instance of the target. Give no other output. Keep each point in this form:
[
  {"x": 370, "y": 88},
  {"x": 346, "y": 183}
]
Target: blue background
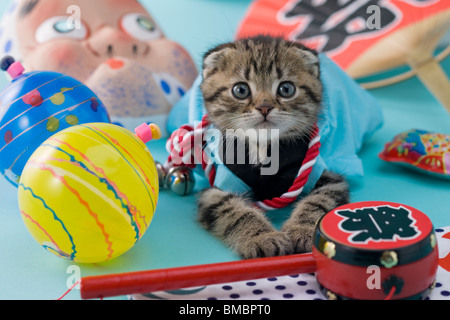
[{"x": 174, "y": 237}]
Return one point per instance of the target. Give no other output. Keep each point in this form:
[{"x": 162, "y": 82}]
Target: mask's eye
[
  {"x": 241, "y": 91},
  {"x": 286, "y": 89},
  {"x": 60, "y": 27},
  {"x": 140, "y": 27}
]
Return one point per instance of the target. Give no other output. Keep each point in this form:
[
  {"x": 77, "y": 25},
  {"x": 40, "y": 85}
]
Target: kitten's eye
[
  {"x": 241, "y": 91},
  {"x": 286, "y": 89}
]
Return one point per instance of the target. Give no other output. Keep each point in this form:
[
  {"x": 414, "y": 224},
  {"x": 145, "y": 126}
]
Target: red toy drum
[
  {"x": 365, "y": 250},
  {"x": 371, "y": 250}
]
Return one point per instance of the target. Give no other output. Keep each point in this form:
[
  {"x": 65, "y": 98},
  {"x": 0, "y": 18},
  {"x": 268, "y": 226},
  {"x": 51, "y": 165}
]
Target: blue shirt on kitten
[{"x": 350, "y": 115}]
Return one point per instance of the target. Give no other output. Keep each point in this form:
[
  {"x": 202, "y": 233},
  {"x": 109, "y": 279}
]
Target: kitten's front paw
[
  {"x": 241, "y": 226},
  {"x": 210, "y": 196},
  {"x": 211, "y": 201},
  {"x": 270, "y": 244},
  {"x": 301, "y": 237}
]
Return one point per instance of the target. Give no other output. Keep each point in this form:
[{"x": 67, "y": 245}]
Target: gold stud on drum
[
  {"x": 389, "y": 259},
  {"x": 331, "y": 296},
  {"x": 433, "y": 240},
  {"x": 329, "y": 249},
  {"x": 433, "y": 285}
]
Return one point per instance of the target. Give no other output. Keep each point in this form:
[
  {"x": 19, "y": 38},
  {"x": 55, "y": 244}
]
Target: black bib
[{"x": 264, "y": 187}]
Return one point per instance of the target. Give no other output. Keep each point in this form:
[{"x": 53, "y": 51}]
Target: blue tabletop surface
[{"x": 174, "y": 237}]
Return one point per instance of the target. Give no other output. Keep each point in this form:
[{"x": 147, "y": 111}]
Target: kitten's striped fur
[{"x": 264, "y": 64}]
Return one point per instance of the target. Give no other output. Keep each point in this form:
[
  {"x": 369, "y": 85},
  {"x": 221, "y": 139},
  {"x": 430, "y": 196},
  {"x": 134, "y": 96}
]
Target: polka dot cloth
[
  {"x": 294, "y": 287},
  {"x": 286, "y": 287},
  {"x": 442, "y": 289}
]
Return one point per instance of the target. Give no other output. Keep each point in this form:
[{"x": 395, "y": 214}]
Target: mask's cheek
[
  {"x": 167, "y": 56},
  {"x": 129, "y": 89},
  {"x": 64, "y": 56}
]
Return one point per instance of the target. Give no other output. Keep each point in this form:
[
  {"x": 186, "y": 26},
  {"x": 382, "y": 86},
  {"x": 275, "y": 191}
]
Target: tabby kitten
[{"x": 265, "y": 83}]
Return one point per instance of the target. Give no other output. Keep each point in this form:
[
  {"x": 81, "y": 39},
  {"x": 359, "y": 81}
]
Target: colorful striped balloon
[
  {"x": 89, "y": 192},
  {"x": 36, "y": 105}
]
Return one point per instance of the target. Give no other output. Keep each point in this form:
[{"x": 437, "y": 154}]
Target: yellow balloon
[{"x": 89, "y": 192}]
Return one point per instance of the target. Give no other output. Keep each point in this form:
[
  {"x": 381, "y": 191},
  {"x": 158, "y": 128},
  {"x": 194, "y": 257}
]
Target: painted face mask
[{"x": 113, "y": 46}]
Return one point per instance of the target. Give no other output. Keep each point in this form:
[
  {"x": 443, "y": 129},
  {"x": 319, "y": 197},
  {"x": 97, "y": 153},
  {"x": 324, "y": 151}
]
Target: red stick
[{"x": 193, "y": 276}]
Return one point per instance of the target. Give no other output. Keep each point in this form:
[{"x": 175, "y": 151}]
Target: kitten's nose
[{"x": 264, "y": 109}]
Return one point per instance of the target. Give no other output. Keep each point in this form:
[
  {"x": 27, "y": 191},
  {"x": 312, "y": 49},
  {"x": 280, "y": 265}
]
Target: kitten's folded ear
[
  {"x": 311, "y": 57},
  {"x": 213, "y": 59}
]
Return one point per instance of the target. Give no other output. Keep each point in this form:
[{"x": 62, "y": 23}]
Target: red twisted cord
[{"x": 183, "y": 140}]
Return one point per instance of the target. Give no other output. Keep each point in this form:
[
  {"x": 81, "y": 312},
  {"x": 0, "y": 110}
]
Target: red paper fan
[{"x": 364, "y": 37}]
